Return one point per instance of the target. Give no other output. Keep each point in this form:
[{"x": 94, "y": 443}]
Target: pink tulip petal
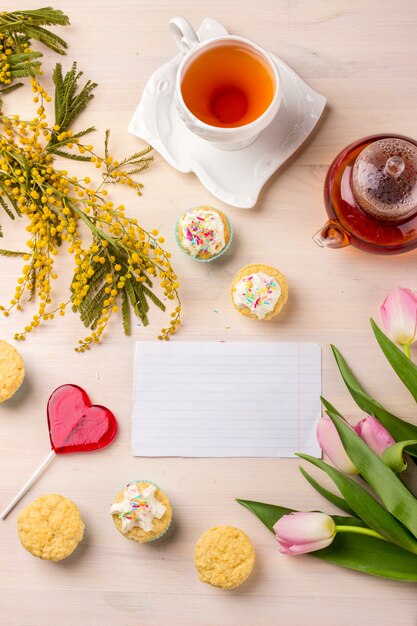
[
  {"x": 374, "y": 434},
  {"x": 307, "y": 547},
  {"x": 330, "y": 443},
  {"x": 399, "y": 315},
  {"x": 302, "y": 527},
  {"x": 301, "y": 532},
  {"x": 283, "y": 543}
]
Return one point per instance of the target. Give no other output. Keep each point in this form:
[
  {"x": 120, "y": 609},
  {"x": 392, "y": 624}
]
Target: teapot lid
[{"x": 384, "y": 179}]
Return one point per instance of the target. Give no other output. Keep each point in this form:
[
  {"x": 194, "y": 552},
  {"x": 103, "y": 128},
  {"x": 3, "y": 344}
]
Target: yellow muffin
[
  {"x": 50, "y": 527},
  {"x": 224, "y": 557},
  {"x": 12, "y": 370},
  {"x": 259, "y": 291},
  {"x": 203, "y": 232},
  {"x": 141, "y": 512}
]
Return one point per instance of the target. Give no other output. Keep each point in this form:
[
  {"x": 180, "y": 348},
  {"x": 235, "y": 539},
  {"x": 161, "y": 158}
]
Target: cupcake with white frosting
[
  {"x": 203, "y": 233},
  {"x": 259, "y": 291},
  {"x": 141, "y": 512}
]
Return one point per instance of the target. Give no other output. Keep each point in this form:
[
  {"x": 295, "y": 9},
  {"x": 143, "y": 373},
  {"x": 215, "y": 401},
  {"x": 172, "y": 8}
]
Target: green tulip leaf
[
  {"x": 330, "y": 407},
  {"x": 405, "y": 369},
  {"x": 386, "y": 484},
  {"x": 329, "y": 495},
  {"x": 357, "y": 552},
  {"x": 394, "y": 458},
  {"x": 364, "y": 505},
  {"x": 399, "y": 428},
  {"x": 269, "y": 514},
  {"x": 394, "y": 455}
]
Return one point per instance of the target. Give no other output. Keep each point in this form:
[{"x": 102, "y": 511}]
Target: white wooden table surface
[{"x": 363, "y": 57}]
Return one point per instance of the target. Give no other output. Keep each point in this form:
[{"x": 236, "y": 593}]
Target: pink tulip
[
  {"x": 330, "y": 443},
  {"x": 399, "y": 315},
  {"x": 298, "y": 533},
  {"x": 374, "y": 434}
]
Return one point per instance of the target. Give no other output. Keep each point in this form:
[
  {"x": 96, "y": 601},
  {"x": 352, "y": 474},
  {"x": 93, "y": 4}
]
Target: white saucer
[{"x": 235, "y": 177}]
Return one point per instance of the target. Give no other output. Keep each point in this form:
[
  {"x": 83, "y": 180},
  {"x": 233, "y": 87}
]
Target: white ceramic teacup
[{"x": 227, "y": 138}]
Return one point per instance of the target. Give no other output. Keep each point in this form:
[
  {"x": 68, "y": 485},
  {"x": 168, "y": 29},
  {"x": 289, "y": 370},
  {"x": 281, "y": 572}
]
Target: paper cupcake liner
[{"x": 196, "y": 258}]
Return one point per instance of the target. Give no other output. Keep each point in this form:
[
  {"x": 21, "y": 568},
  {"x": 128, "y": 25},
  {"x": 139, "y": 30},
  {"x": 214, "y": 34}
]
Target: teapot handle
[{"x": 331, "y": 235}]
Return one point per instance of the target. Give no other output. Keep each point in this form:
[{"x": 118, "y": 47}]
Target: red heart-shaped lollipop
[{"x": 76, "y": 425}]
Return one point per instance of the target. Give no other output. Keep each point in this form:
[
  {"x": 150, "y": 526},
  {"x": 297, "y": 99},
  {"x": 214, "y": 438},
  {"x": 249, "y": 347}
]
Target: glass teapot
[{"x": 370, "y": 194}]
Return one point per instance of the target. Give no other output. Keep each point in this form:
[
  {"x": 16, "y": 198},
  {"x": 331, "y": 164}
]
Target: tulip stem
[
  {"x": 360, "y": 530},
  {"x": 406, "y": 348}
]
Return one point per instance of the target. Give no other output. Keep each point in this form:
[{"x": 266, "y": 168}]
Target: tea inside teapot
[{"x": 370, "y": 196}]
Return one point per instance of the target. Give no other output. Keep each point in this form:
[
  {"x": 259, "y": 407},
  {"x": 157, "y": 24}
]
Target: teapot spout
[{"x": 331, "y": 235}]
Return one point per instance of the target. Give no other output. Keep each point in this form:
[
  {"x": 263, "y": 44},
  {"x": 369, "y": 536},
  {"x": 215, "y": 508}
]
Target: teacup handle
[{"x": 183, "y": 33}]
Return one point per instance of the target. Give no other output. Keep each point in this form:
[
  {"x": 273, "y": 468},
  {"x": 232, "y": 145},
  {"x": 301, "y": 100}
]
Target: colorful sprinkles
[
  {"x": 258, "y": 292},
  {"x": 255, "y": 295},
  {"x": 138, "y": 507},
  {"x": 138, "y": 502},
  {"x": 202, "y": 232}
]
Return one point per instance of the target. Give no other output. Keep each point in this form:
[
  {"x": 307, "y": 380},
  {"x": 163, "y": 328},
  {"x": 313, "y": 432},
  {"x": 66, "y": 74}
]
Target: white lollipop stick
[{"x": 28, "y": 485}]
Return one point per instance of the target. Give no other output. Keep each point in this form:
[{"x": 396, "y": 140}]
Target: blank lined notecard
[{"x": 226, "y": 399}]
